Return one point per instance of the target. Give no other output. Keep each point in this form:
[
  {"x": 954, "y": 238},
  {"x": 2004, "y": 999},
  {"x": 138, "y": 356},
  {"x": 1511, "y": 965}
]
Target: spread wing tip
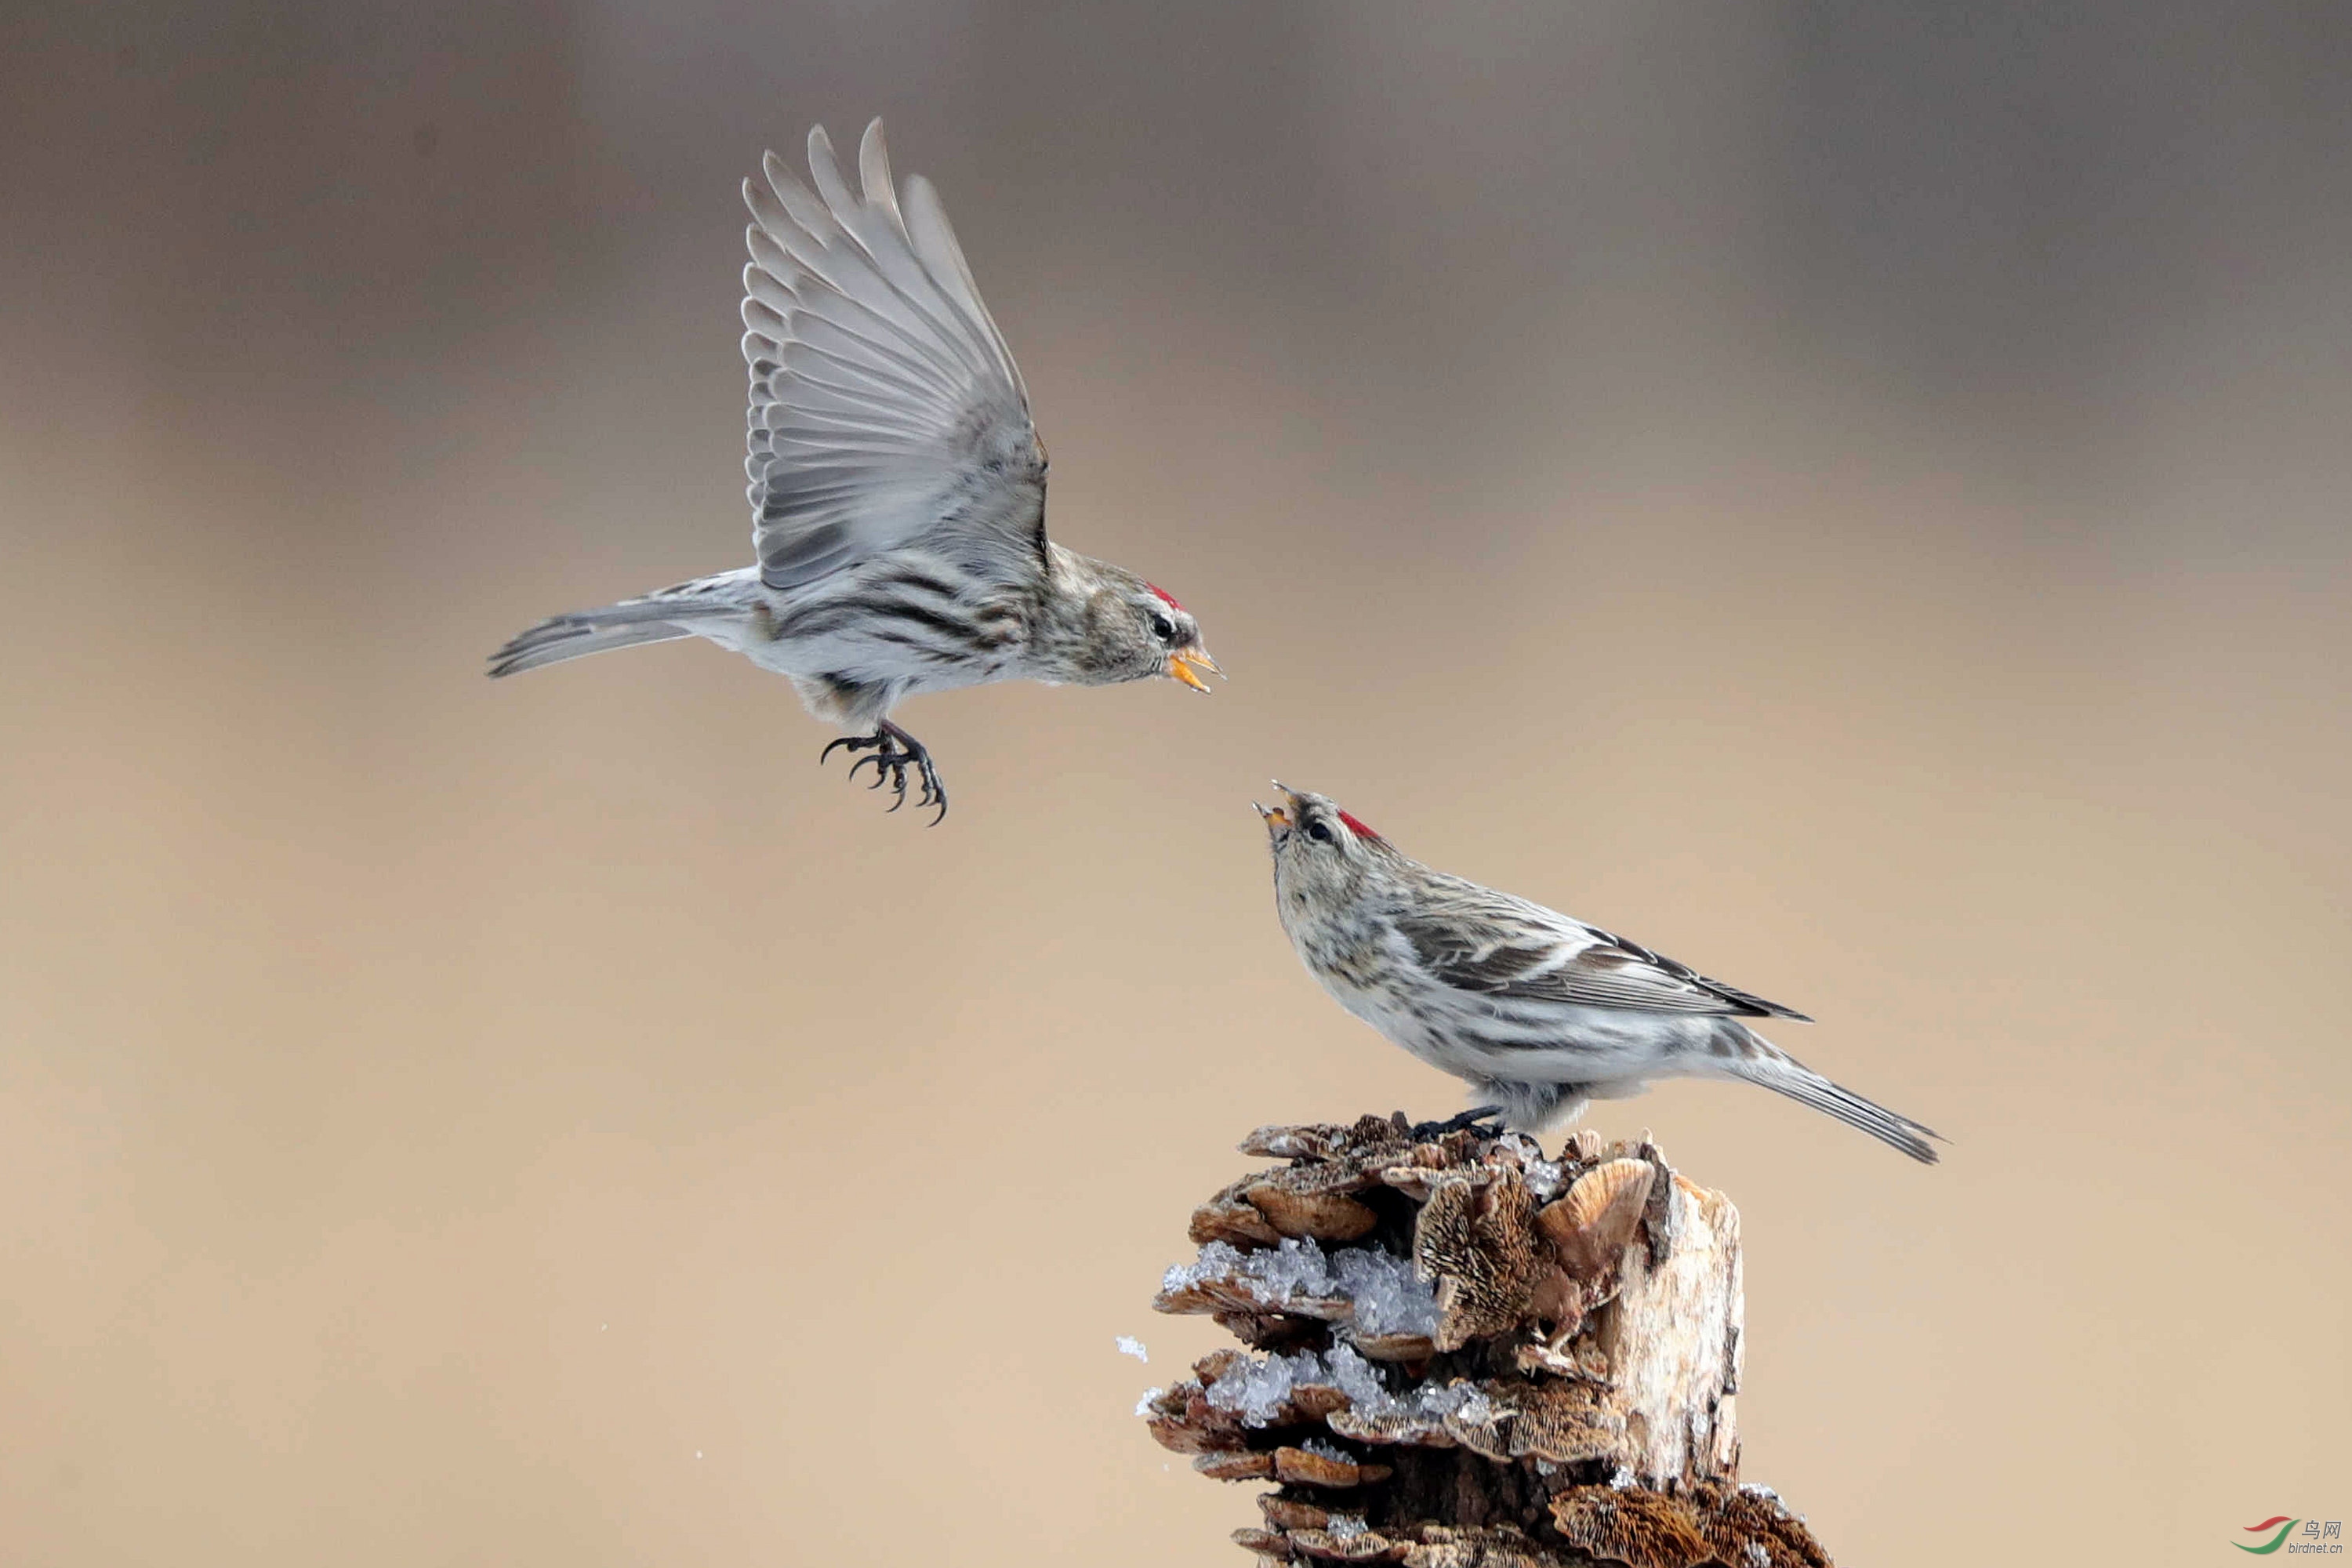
[{"x": 883, "y": 398}]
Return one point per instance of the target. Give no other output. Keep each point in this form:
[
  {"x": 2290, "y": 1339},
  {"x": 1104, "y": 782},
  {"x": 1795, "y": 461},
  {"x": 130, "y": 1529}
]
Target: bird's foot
[
  {"x": 892, "y": 751},
  {"x": 1475, "y": 1120}
]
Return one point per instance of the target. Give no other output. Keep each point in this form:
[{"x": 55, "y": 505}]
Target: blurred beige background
[{"x": 1851, "y": 495}]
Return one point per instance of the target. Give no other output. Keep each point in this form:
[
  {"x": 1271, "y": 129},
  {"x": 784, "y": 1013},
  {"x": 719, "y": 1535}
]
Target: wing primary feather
[
  {"x": 804, "y": 356},
  {"x": 770, "y": 257},
  {"x": 764, "y": 319},
  {"x": 848, "y": 275},
  {"x": 819, "y": 368},
  {"x": 934, "y": 239},
  {"x": 808, "y": 228},
  {"x": 759, "y": 285},
  {"x": 874, "y": 173},
  {"x": 802, "y": 211},
  {"x": 914, "y": 417},
  {"x": 883, "y": 404},
  {"x": 830, "y": 337},
  {"x": 847, "y": 315},
  {"x": 826, "y": 173}
]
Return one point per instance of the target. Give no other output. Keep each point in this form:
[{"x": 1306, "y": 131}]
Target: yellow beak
[{"x": 1180, "y": 663}]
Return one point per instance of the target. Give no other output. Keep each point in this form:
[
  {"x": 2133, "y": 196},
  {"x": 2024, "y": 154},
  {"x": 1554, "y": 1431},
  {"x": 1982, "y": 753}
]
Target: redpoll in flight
[
  {"x": 897, "y": 489},
  {"x": 1538, "y": 1013}
]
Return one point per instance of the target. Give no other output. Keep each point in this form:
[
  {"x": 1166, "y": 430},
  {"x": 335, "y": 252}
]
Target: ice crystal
[
  {"x": 1354, "y": 1376},
  {"x": 1545, "y": 1179},
  {"x": 1387, "y": 1296},
  {"x": 1466, "y": 1400},
  {"x": 1257, "y": 1389}
]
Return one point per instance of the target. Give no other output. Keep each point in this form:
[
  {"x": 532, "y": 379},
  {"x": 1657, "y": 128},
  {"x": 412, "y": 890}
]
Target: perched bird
[
  {"x": 1537, "y": 1012},
  {"x": 897, "y": 489}
]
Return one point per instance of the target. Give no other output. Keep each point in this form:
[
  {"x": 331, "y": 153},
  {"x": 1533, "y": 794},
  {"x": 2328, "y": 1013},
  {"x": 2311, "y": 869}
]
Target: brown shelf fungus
[{"x": 1461, "y": 1353}]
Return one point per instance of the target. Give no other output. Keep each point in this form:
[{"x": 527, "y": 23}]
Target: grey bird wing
[
  {"x": 1476, "y": 939},
  {"x": 885, "y": 409}
]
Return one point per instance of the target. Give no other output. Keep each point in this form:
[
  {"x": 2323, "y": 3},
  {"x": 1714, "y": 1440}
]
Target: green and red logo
[
  {"x": 2312, "y": 1537},
  {"x": 2279, "y": 1522}
]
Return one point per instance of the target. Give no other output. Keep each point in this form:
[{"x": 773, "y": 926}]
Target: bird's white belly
[
  {"x": 1482, "y": 1037},
  {"x": 824, "y": 638}
]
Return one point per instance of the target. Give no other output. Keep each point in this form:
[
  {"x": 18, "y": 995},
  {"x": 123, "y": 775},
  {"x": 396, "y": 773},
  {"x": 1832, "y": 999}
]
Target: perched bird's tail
[
  {"x": 663, "y": 616},
  {"x": 1752, "y": 1058}
]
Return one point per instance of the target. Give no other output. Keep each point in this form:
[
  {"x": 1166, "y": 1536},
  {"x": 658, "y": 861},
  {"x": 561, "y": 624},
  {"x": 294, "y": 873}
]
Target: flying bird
[
  {"x": 1540, "y": 1013},
  {"x": 897, "y": 489}
]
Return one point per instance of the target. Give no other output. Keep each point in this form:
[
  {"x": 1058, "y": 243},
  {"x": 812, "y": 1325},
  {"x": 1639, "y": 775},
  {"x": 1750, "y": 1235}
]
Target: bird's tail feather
[
  {"x": 552, "y": 643},
  {"x": 657, "y": 617},
  {"x": 1764, "y": 1063}
]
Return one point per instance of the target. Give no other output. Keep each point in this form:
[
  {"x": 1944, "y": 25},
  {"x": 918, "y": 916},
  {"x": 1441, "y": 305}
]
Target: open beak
[
  {"x": 1275, "y": 816},
  {"x": 1180, "y": 668}
]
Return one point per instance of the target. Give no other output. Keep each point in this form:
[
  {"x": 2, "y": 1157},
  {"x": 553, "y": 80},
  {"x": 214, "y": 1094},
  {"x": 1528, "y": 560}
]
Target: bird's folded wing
[
  {"x": 1490, "y": 944},
  {"x": 885, "y": 406}
]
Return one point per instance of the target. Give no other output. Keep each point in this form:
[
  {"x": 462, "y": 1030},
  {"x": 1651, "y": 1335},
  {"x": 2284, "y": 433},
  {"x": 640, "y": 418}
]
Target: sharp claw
[
  {"x": 892, "y": 751},
  {"x": 1469, "y": 1121},
  {"x": 935, "y": 793}
]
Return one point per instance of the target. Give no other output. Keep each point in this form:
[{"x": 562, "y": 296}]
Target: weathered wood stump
[{"x": 1463, "y": 1355}]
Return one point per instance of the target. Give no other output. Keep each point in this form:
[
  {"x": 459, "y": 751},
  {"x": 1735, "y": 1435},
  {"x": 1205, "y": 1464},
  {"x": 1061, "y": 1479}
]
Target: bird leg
[
  {"x": 892, "y": 752},
  {"x": 1468, "y": 1120}
]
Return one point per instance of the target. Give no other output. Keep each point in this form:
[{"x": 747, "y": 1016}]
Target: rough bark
[
  {"x": 1466, "y": 1355},
  {"x": 1674, "y": 1336}
]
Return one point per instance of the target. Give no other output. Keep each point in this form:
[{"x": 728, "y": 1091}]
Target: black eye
[
  {"x": 1163, "y": 628},
  {"x": 1320, "y": 831}
]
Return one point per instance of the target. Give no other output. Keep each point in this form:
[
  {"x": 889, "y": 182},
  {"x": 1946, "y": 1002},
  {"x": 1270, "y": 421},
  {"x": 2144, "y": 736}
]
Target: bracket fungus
[{"x": 1463, "y": 1355}]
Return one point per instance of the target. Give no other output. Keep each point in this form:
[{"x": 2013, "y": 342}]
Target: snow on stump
[{"x": 1462, "y": 1354}]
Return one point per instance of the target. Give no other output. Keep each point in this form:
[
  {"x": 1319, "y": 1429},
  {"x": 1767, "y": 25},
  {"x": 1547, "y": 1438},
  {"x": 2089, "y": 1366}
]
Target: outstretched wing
[
  {"x": 885, "y": 406},
  {"x": 1489, "y": 944}
]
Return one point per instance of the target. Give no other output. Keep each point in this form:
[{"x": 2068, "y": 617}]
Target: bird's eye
[
  {"x": 1320, "y": 831},
  {"x": 1163, "y": 628}
]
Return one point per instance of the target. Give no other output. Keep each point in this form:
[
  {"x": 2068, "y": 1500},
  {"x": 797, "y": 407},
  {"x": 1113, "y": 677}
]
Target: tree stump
[{"x": 1462, "y": 1354}]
